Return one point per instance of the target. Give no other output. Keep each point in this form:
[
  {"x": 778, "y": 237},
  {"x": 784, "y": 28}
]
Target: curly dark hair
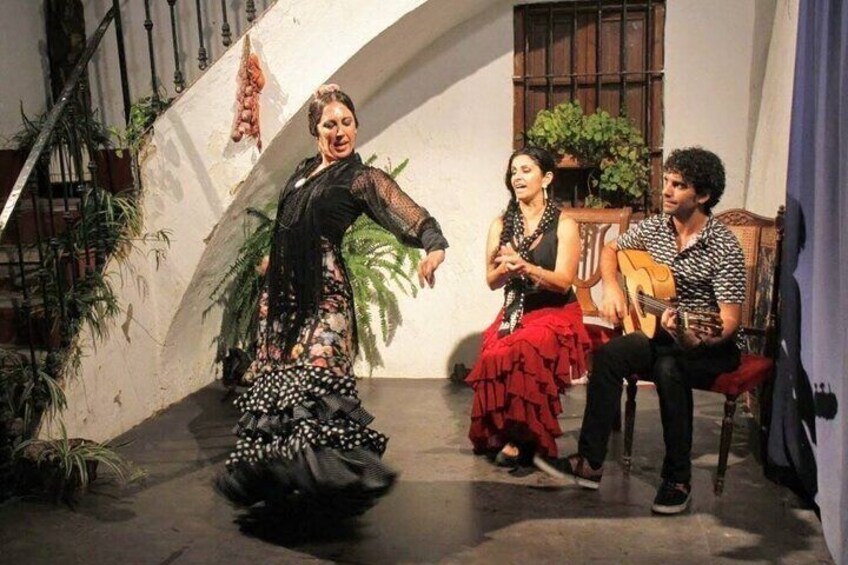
[
  {"x": 320, "y": 101},
  {"x": 700, "y": 168}
]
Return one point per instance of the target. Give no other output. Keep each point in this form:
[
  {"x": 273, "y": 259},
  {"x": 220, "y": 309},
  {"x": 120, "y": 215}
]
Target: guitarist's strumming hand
[
  {"x": 614, "y": 304},
  {"x": 686, "y": 338}
]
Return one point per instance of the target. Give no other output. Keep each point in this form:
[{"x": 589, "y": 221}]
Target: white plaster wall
[
  {"x": 712, "y": 75},
  {"x": 770, "y": 153},
  {"x": 450, "y": 112},
  {"x": 198, "y": 183},
  {"x": 23, "y": 65}
]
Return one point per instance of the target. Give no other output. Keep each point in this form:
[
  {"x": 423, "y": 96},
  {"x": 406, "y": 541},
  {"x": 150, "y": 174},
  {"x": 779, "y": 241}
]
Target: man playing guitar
[{"x": 708, "y": 268}]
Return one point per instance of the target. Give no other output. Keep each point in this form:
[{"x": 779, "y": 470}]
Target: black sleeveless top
[{"x": 544, "y": 255}]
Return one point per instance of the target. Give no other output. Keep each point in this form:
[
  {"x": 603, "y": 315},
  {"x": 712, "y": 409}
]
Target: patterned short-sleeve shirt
[{"x": 709, "y": 270}]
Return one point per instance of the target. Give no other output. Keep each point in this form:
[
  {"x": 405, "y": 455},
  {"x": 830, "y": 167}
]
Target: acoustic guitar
[{"x": 651, "y": 291}]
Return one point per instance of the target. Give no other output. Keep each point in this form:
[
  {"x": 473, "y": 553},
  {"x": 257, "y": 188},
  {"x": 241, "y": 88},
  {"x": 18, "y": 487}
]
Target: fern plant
[
  {"x": 240, "y": 287},
  {"x": 378, "y": 265}
]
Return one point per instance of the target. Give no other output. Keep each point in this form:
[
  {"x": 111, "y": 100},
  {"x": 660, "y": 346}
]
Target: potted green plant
[
  {"x": 78, "y": 137},
  {"x": 142, "y": 115},
  {"x": 378, "y": 265},
  {"x": 62, "y": 466},
  {"x": 72, "y": 127},
  {"x": 113, "y": 228},
  {"x": 76, "y": 292},
  {"x": 612, "y": 148}
]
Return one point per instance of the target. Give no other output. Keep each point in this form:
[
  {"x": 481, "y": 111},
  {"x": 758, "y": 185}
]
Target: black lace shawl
[{"x": 324, "y": 206}]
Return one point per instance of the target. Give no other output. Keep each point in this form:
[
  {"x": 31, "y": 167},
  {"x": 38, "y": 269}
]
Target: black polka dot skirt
[{"x": 304, "y": 437}]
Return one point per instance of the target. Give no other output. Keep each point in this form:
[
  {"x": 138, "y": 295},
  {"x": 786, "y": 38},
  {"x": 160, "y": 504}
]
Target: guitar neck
[{"x": 702, "y": 323}]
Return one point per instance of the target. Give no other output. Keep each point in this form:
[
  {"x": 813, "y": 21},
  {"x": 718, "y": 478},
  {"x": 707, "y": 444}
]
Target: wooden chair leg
[
  {"x": 726, "y": 438},
  {"x": 629, "y": 421}
]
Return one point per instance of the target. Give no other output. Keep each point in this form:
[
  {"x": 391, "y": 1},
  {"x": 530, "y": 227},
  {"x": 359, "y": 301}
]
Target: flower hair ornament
[{"x": 326, "y": 89}]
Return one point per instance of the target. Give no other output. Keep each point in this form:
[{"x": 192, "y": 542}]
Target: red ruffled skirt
[{"x": 519, "y": 377}]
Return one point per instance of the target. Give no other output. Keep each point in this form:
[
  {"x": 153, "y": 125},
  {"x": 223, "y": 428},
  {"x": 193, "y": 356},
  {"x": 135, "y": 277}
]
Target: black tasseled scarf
[
  {"x": 294, "y": 273},
  {"x": 513, "y": 232}
]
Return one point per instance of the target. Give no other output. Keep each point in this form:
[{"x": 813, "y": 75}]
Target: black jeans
[{"x": 673, "y": 370}]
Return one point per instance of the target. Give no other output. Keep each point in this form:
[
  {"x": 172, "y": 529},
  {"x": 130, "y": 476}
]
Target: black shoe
[
  {"x": 508, "y": 461},
  {"x": 574, "y": 467},
  {"x": 672, "y": 498}
]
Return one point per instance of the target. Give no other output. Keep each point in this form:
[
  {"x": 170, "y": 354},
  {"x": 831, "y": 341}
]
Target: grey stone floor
[{"x": 448, "y": 507}]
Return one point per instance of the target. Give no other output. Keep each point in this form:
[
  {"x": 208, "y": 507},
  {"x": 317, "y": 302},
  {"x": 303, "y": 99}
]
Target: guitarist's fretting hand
[{"x": 687, "y": 338}]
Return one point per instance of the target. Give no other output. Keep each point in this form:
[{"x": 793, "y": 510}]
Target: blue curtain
[{"x": 809, "y": 427}]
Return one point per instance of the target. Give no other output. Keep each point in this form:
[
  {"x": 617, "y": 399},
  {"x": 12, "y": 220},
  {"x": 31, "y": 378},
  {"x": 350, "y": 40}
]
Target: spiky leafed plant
[
  {"x": 74, "y": 127},
  {"x": 66, "y": 464},
  {"x": 113, "y": 224},
  {"x": 76, "y": 288},
  {"x": 26, "y": 393},
  {"x": 378, "y": 266}
]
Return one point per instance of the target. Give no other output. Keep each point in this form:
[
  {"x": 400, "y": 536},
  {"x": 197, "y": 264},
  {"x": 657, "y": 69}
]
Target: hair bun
[{"x": 326, "y": 89}]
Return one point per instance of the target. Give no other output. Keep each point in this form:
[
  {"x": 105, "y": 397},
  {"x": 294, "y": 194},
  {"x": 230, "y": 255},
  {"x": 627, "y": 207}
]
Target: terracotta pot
[{"x": 568, "y": 161}]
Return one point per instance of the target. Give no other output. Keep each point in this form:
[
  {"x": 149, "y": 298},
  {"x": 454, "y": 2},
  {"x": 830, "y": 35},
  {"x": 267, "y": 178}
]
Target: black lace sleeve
[{"x": 392, "y": 208}]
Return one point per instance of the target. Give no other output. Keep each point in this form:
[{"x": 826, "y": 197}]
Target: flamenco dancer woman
[
  {"x": 303, "y": 437},
  {"x": 538, "y": 342}
]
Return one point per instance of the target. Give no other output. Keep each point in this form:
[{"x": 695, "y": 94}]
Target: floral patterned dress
[{"x": 303, "y": 432}]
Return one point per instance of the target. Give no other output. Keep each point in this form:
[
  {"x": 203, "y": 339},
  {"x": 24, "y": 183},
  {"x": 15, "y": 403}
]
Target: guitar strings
[
  {"x": 648, "y": 300},
  {"x": 651, "y": 301}
]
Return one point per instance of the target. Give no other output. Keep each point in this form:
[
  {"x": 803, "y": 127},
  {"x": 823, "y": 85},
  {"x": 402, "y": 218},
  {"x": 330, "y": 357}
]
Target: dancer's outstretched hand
[{"x": 427, "y": 267}]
